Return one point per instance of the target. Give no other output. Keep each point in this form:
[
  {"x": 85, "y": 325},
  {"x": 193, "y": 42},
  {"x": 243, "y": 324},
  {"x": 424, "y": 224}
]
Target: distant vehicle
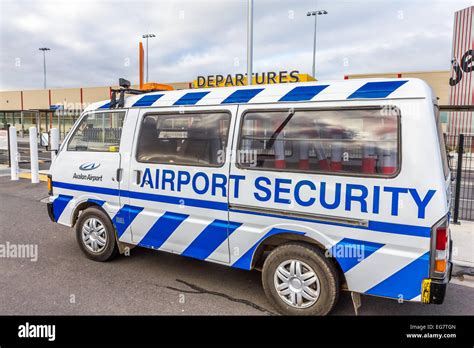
[{"x": 323, "y": 186}]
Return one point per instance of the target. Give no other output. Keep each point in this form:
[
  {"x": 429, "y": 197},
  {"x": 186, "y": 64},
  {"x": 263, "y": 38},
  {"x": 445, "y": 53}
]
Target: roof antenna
[
  {"x": 113, "y": 100},
  {"x": 121, "y": 102}
]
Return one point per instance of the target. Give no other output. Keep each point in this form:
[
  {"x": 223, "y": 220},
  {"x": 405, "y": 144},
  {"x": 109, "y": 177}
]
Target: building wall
[
  {"x": 36, "y": 99},
  {"x": 95, "y": 94},
  {"x": 65, "y": 96},
  {"x": 462, "y": 90},
  {"x": 40, "y": 99},
  {"x": 10, "y": 100}
]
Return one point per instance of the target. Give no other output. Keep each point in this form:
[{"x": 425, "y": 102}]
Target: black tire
[
  {"x": 111, "y": 249},
  {"x": 323, "y": 267}
]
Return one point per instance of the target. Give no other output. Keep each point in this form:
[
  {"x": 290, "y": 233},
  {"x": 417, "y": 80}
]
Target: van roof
[{"x": 357, "y": 89}]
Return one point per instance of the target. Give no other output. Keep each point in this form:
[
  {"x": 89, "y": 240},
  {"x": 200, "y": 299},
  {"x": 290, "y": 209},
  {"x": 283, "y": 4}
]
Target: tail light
[{"x": 440, "y": 248}]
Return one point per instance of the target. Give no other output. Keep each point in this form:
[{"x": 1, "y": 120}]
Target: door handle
[
  {"x": 139, "y": 176},
  {"x": 118, "y": 174}
]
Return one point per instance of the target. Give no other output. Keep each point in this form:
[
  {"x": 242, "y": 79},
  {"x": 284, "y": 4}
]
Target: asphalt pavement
[{"x": 64, "y": 281}]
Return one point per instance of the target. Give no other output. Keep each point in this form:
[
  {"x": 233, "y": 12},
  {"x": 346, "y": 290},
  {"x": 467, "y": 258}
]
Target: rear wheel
[
  {"x": 96, "y": 235},
  {"x": 299, "y": 280}
]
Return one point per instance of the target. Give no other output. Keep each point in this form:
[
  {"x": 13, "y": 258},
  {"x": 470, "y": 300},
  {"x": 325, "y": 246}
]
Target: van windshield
[{"x": 442, "y": 145}]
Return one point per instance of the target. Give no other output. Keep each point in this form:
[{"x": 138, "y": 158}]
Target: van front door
[
  {"x": 179, "y": 181},
  {"x": 87, "y": 167}
]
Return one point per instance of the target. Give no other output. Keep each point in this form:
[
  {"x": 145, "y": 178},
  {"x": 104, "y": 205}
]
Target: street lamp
[
  {"x": 147, "y": 36},
  {"x": 44, "y": 49},
  {"x": 249, "y": 42},
  {"x": 315, "y": 14}
]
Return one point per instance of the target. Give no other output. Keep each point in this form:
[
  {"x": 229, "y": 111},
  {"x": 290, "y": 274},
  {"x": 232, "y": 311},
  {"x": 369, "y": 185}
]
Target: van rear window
[
  {"x": 192, "y": 139},
  {"x": 346, "y": 141}
]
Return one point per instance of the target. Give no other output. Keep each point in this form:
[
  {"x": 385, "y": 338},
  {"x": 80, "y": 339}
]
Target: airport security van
[{"x": 321, "y": 186}]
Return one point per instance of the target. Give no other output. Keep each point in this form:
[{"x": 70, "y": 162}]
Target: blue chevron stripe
[
  {"x": 245, "y": 261},
  {"x": 105, "y": 106},
  {"x": 377, "y": 89},
  {"x": 405, "y": 283},
  {"x": 147, "y": 100},
  {"x": 162, "y": 229},
  {"x": 303, "y": 93},
  {"x": 99, "y": 202},
  {"x": 59, "y": 204},
  {"x": 242, "y": 96},
  {"x": 210, "y": 238},
  {"x": 191, "y": 98},
  {"x": 124, "y": 218},
  {"x": 350, "y": 252}
]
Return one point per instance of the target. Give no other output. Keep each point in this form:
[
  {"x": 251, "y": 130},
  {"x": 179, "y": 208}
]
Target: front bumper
[{"x": 50, "y": 211}]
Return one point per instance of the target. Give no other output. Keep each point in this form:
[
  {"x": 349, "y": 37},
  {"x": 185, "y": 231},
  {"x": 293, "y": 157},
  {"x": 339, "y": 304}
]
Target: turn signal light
[
  {"x": 440, "y": 246},
  {"x": 440, "y": 266},
  {"x": 50, "y": 185}
]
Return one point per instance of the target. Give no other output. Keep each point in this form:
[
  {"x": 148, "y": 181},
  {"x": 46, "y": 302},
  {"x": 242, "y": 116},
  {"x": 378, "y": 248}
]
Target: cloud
[{"x": 95, "y": 42}]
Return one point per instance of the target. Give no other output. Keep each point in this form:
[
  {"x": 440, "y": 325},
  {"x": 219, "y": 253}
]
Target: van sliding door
[{"x": 178, "y": 182}]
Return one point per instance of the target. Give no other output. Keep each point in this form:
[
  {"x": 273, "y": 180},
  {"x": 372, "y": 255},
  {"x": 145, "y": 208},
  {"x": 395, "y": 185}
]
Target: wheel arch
[
  {"x": 123, "y": 247},
  {"x": 83, "y": 206},
  {"x": 272, "y": 242}
]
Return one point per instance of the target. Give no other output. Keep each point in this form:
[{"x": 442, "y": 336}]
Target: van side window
[
  {"x": 192, "y": 139},
  {"x": 98, "y": 132},
  {"x": 345, "y": 141}
]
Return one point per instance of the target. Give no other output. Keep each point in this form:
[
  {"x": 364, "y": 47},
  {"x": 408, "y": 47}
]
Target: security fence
[
  {"x": 43, "y": 120},
  {"x": 460, "y": 148},
  {"x": 461, "y": 164}
]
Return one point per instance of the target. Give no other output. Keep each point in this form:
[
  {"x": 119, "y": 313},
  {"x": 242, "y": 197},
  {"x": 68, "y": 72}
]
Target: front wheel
[
  {"x": 96, "y": 235},
  {"x": 299, "y": 280}
]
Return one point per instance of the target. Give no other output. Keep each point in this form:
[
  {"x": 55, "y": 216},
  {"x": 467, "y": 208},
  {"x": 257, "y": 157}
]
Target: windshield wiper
[{"x": 279, "y": 129}]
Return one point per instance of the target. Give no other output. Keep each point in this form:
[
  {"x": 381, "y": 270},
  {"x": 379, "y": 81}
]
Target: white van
[{"x": 323, "y": 186}]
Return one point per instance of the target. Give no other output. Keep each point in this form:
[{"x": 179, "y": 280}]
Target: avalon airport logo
[{"x": 88, "y": 166}]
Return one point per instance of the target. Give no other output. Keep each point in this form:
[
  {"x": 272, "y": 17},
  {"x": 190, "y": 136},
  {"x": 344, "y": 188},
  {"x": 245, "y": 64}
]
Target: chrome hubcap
[
  {"x": 94, "y": 235},
  {"x": 297, "y": 284}
]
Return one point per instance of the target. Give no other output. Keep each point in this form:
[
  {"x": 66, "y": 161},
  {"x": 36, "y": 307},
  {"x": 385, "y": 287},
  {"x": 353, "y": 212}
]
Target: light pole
[
  {"x": 315, "y": 14},
  {"x": 44, "y": 49},
  {"x": 249, "y": 42},
  {"x": 147, "y": 36}
]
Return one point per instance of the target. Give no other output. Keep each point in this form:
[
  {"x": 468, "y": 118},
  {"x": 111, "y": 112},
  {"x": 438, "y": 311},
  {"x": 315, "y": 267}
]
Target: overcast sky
[{"x": 94, "y": 42}]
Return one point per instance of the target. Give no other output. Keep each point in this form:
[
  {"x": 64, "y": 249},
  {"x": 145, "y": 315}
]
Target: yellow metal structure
[{"x": 153, "y": 86}]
